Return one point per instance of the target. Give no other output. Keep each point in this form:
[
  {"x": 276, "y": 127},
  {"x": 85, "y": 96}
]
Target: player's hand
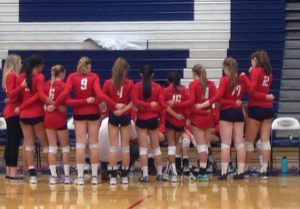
[
  {"x": 238, "y": 102},
  {"x": 119, "y": 106},
  {"x": 179, "y": 117},
  {"x": 6, "y": 100},
  {"x": 62, "y": 108},
  {"x": 90, "y": 100},
  {"x": 250, "y": 68},
  {"x": 49, "y": 101},
  {"x": 24, "y": 83},
  {"x": 153, "y": 104},
  {"x": 270, "y": 97},
  {"x": 171, "y": 103},
  {"x": 118, "y": 112},
  {"x": 198, "y": 106},
  {"x": 17, "y": 111},
  {"x": 51, "y": 108}
]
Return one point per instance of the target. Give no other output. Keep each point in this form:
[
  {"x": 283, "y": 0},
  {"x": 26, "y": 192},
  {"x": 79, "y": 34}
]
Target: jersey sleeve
[
  {"x": 135, "y": 99},
  {"x": 220, "y": 92},
  {"x": 75, "y": 102},
  {"x": 11, "y": 89},
  {"x": 251, "y": 88},
  {"x": 29, "y": 102},
  {"x": 162, "y": 99},
  {"x": 100, "y": 94},
  {"x": 190, "y": 100}
]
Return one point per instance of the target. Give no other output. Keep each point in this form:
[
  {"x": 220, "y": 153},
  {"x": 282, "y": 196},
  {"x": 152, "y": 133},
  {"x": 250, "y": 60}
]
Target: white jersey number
[
  {"x": 83, "y": 85},
  {"x": 237, "y": 90},
  {"x": 176, "y": 98},
  {"x": 120, "y": 92},
  {"x": 266, "y": 81},
  {"x": 51, "y": 93}
]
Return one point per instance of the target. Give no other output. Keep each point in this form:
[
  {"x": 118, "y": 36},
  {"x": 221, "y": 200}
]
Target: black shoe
[
  {"x": 239, "y": 176},
  {"x": 178, "y": 165},
  {"x": 160, "y": 178},
  {"x": 14, "y": 178},
  {"x": 263, "y": 175},
  {"x": 223, "y": 177},
  {"x": 144, "y": 179}
]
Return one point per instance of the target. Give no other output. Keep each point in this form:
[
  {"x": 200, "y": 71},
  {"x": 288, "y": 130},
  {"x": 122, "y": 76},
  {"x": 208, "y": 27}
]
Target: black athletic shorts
[
  {"x": 232, "y": 115},
  {"x": 171, "y": 126},
  {"x": 91, "y": 117},
  {"x": 123, "y": 120},
  {"x": 32, "y": 121},
  {"x": 260, "y": 113},
  {"x": 151, "y": 124}
]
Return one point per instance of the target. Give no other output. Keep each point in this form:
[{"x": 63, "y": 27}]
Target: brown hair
[
  {"x": 232, "y": 65},
  {"x": 119, "y": 72},
  {"x": 82, "y": 64},
  {"x": 263, "y": 61},
  {"x": 56, "y": 70},
  {"x": 12, "y": 63},
  {"x": 200, "y": 71}
]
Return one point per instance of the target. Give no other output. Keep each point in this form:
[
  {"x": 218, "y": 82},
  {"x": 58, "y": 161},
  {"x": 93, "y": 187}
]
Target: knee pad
[
  {"x": 143, "y": 150},
  {"x": 125, "y": 149},
  {"x": 186, "y": 143},
  {"x": 202, "y": 148},
  {"x": 80, "y": 146},
  {"x": 157, "y": 151},
  {"x": 29, "y": 148},
  {"x": 249, "y": 146},
  {"x": 239, "y": 146},
  {"x": 171, "y": 150},
  {"x": 53, "y": 149},
  {"x": 258, "y": 144},
  {"x": 265, "y": 146},
  {"x": 46, "y": 150},
  {"x": 113, "y": 149},
  {"x": 65, "y": 149},
  {"x": 93, "y": 146},
  {"x": 225, "y": 146}
]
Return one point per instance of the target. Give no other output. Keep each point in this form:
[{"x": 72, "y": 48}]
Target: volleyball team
[{"x": 35, "y": 108}]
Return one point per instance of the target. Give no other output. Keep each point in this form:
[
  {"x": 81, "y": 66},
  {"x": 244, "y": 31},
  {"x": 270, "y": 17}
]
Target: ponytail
[
  {"x": 200, "y": 71},
  {"x": 82, "y": 66},
  {"x": 265, "y": 62},
  {"x": 232, "y": 65},
  {"x": 28, "y": 70},
  {"x": 147, "y": 72}
]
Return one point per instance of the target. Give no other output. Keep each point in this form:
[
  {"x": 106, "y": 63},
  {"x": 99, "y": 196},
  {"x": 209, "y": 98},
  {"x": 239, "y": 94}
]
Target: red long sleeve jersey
[
  {"x": 227, "y": 96},
  {"x": 12, "y": 91},
  {"x": 84, "y": 85},
  {"x": 35, "y": 109},
  {"x": 145, "y": 112},
  {"x": 197, "y": 95},
  {"x": 177, "y": 96},
  {"x": 261, "y": 83},
  {"x": 121, "y": 95}
]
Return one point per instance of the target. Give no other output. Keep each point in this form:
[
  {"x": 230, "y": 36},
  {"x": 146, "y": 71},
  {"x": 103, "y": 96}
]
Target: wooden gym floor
[{"x": 276, "y": 192}]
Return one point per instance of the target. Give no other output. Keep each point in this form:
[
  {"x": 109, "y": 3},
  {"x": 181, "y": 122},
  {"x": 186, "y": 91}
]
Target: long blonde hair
[
  {"x": 232, "y": 65},
  {"x": 119, "y": 72},
  {"x": 12, "y": 63},
  {"x": 200, "y": 71},
  {"x": 82, "y": 64}
]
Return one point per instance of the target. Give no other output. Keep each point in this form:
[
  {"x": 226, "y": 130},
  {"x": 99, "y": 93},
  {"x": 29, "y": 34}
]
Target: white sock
[
  {"x": 264, "y": 168},
  {"x": 224, "y": 167},
  {"x": 67, "y": 170},
  {"x": 95, "y": 169},
  {"x": 174, "y": 168},
  {"x": 80, "y": 170},
  {"x": 203, "y": 165},
  {"x": 145, "y": 170},
  {"x": 185, "y": 157},
  {"x": 178, "y": 156},
  {"x": 53, "y": 170},
  {"x": 246, "y": 167},
  {"x": 241, "y": 167},
  {"x": 159, "y": 170}
]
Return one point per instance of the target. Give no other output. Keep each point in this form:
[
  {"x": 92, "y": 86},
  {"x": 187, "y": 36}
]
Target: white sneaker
[
  {"x": 174, "y": 178},
  {"x": 32, "y": 180},
  {"x": 79, "y": 181},
  {"x": 113, "y": 181},
  {"x": 124, "y": 180},
  {"x": 165, "y": 176},
  {"x": 94, "y": 180},
  {"x": 52, "y": 180},
  {"x": 67, "y": 180}
]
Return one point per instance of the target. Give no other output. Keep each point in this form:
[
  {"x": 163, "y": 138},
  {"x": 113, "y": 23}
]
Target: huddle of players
[{"x": 39, "y": 107}]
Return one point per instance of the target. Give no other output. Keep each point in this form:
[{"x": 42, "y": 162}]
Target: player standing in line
[
  {"x": 118, "y": 88},
  {"x": 260, "y": 111},
  {"x": 147, "y": 96},
  {"x": 85, "y": 84},
  {"x": 11, "y": 71}
]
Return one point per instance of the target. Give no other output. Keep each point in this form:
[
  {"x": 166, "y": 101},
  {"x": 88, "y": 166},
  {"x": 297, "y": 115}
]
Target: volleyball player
[
  {"x": 175, "y": 120},
  {"x": 11, "y": 71},
  {"x": 147, "y": 96},
  {"x": 260, "y": 111},
  {"x": 84, "y": 84},
  {"x": 119, "y": 88},
  {"x": 32, "y": 114}
]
